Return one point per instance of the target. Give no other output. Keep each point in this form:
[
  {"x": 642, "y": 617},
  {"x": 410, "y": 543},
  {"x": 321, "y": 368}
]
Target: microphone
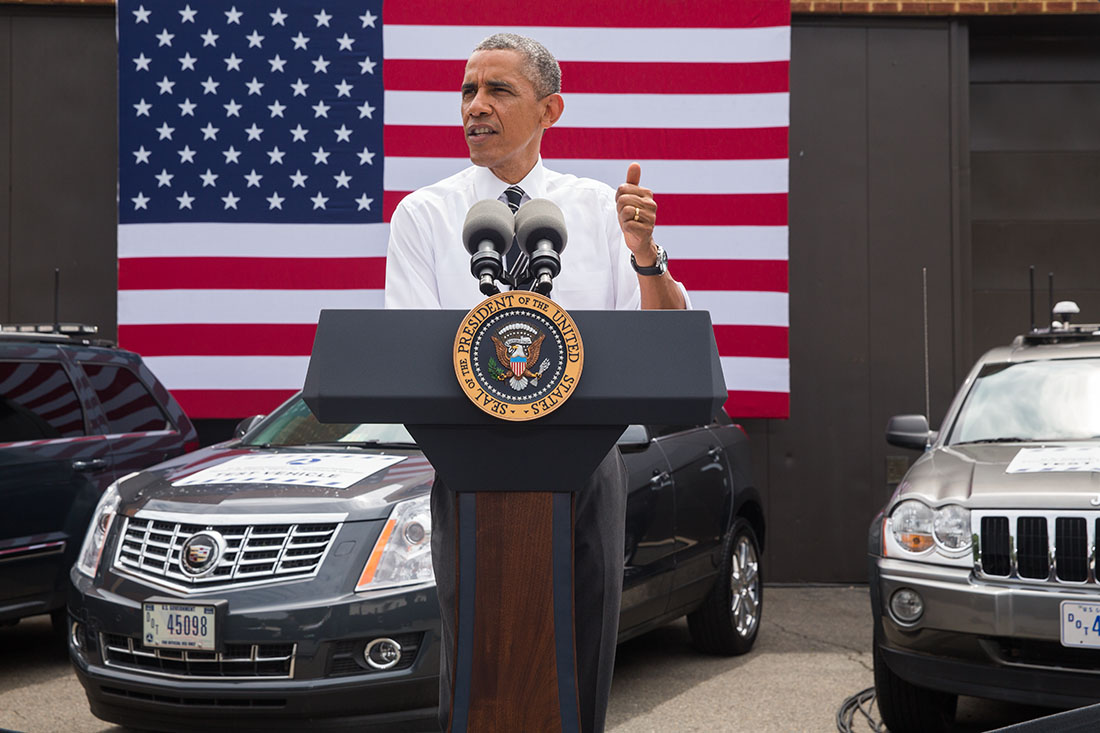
[
  {"x": 540, "y": 230},
  {"x": 487, "y": 235}
]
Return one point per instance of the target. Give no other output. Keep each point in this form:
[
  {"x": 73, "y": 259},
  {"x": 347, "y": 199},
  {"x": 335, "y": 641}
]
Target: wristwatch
[{"x": 659, "y": 268}]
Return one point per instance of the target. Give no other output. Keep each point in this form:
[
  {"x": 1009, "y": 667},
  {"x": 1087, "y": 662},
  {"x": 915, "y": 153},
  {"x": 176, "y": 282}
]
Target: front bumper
[
  {"x": 325, "y": 685},
  {"x": 999, "y": 641}
]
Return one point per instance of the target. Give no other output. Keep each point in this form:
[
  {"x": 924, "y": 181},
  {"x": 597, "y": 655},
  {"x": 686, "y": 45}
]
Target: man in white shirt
[{"x": 510, "y": 97}]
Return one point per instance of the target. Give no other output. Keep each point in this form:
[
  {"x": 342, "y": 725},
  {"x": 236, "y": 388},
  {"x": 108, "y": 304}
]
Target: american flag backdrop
[{"x": 264, "y": 144}]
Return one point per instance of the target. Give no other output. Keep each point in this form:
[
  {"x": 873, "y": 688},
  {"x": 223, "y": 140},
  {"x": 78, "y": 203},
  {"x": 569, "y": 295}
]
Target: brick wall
[{"x": 939, "y": 7}]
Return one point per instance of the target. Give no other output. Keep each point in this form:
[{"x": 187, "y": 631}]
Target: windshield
[
  {"x": 1032, "y": 401},
  {"x": 294, "y": 424}
]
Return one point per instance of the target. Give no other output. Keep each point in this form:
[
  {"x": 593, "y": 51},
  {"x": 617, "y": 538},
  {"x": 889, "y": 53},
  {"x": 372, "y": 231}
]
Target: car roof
[{"x": 1075, "y": 342}]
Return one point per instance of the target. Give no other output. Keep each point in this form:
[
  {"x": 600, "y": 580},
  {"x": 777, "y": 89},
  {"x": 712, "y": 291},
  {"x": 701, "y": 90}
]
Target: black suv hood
[{"x": 370, "y": 494}]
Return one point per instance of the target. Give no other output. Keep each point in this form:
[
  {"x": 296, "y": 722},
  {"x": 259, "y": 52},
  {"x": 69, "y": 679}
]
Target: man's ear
[{"x": 552, "y": 107}]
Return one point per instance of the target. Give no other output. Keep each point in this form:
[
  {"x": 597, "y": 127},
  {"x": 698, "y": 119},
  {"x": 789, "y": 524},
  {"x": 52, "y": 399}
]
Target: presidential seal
[{"x": 518, "y": 355}]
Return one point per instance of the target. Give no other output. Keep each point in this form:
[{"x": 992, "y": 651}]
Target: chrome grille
[
  {"x": 1036, "y": 547},
  {"x": 264, "y": 549},
  {"x": 238, "y": 661}
]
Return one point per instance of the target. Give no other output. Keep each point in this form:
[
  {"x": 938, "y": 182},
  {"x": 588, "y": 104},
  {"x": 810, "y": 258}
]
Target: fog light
[
  {"x": 75, "y": 635},
  {"x": 382, "y": 653},
  {"x": 906, "y": 605}
]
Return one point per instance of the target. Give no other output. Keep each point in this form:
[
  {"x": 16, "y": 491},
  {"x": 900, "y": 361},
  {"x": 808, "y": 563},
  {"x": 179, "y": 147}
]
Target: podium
[{"x": 514, "y": 656}]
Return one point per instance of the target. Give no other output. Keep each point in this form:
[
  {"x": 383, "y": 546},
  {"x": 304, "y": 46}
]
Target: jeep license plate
[
  {"x": 1080, "y": 624},
  {"x": 179, "y": 626}
]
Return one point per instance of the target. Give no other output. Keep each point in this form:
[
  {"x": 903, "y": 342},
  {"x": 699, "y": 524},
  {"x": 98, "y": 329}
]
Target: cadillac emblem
[
  {"x": 201, "y": 552},
  {"x": 518, "y": 355}
]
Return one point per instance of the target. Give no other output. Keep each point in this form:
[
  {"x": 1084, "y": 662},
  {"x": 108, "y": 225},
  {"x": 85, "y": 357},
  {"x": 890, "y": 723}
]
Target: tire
[
  {"x": 906, "y": 708},
  {"x": 729, "y": 618}
]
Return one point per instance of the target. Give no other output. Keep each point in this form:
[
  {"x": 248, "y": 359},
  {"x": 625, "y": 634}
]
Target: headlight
[
  {"x": 88, "y": 559},
  {"x": 912, "y": 525},
  {"x": 952, "y": 528},
  {"x": 403, "y": 553}
]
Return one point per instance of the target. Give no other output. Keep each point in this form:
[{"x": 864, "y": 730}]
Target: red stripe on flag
[
  {"x": 608, "y": 77},
  {"x": 681, "y": 209},
  {"x": 585, "y": 13},
  {"x": 747, "y": 209},
  {"x": 761, "y": 341},
  {"x": 218, "y": 339},
  {"x": 742, "y": 405},
  {"x": 230, "y": 403},
  {"x": 763, "y": 143},
  {"x": 763, "y": 275},
  {"x": 251, "y": 273}
]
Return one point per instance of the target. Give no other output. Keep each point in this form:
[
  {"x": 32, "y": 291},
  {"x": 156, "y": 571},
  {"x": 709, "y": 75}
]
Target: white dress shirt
[{"x": 427, "y": 265}]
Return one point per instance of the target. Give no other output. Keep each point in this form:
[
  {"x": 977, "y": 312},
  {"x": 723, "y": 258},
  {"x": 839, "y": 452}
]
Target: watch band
[{"x": 660, "y": 267}]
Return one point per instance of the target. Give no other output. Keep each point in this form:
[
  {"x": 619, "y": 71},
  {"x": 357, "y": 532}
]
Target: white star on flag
[
  {"x": 322, "y": 19},
  {"x": 277, "y": 108},
  {"x": 209, "y": 132},
  {"x": 275, "y": 155},
  {"x": 164, "y": 178},
  {"x": 345, "y": 42},
  {"x": 300, "y": 41},
  {"x": 342, "y": 180},
  {"x": 298, "y": 180},
  {"x": 255, "y": 40},
  {"x": 187, "y": 155},
  {"x": 230, "y": 200},
  {"x": 187, "y": 62},
  {"x": 142, "y": 62},
  {"x": 187, "y": 108},
  {"x": 140, "y": 201},
  {"x": 343, "y": 134},
  {"x": 253, "y": 179},
  {"x": 233, "y": 16},
  {"x": 366, "y": 157},
  {"x": 299, "y": 134},
  {"x": 367, "y": 66},
  {"x": 278, "y": 17},
  {"x": 232, "y": 155},
  {"x": 141, "y": 14},
  {"x": 141, "y": 155},
  {"x": 343, "y": 89},
  {"x": 254, "y": 132},
  {"x": 210, "y": 86},
  {"x": 165, "y": 132},
  {"x": 143, "y": 108},
  {"x": 165, "y": 38},
  {"x": 208, "y": 178},
  {"x": 188, "y": 14},
  {"x": 275, "y": 201},
  {"x": 319, "y": 201},
  {"x": 368, "y": 19},
  {"x": 277, "y": 63},
  {"x": 364, "y": 202},
  {"x": 210, "y": 38},
  {"x": 320, "y": 157},
  {"x": 185, "y": 200}
]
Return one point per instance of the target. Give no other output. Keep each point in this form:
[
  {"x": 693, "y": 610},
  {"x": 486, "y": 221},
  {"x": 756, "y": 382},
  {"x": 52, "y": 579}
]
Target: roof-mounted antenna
[
  {"x": 927, "y": 391},
  {"x": 1050, "y": 294},
  {"x": 56, "y": 299},
  {"x": 1031, "y": 293}
]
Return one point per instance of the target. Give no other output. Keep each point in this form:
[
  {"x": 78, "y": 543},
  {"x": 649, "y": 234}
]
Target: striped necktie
[{"x": 515, "y": 262}]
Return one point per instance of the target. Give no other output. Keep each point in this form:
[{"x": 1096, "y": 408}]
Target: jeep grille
[{"x": 1043, "y": 547}]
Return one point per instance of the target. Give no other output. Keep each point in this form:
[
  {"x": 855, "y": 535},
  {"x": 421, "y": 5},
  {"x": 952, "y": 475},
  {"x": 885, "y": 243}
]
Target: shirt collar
[{"x": 488, "y": 186}]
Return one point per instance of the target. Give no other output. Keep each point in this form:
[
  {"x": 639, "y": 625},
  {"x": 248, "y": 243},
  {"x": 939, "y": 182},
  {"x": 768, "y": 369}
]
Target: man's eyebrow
[{"x": 492, "y": 83}]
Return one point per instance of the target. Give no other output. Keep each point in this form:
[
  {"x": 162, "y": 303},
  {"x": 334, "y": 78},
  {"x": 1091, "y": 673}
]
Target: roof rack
[
  {"x": 1063, "y": 334},
  {"x": 67, "y": 332}
]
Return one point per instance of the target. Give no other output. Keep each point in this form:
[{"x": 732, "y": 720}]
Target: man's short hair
[{"x": 540, "y": 66}]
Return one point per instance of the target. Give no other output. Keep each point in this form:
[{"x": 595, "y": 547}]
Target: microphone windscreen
[
  {"x": 540, "y": 219},
  {"x": 488, "y": 220}
]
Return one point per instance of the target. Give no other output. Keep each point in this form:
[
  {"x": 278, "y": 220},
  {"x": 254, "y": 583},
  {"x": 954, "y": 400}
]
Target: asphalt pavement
[{"x": 813, "y": 652}]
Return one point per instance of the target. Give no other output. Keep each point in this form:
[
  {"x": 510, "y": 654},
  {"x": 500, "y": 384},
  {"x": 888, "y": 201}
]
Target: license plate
[
  {"x": 179, "y": 626},
  {"x": 1080, "y": 624}
]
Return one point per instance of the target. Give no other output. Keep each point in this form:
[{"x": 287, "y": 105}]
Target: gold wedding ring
[{"x": 637, "y": 213}]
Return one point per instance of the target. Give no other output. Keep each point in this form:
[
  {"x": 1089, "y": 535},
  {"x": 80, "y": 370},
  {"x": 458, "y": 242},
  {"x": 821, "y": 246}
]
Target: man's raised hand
[{"x": 637, "y": 215}]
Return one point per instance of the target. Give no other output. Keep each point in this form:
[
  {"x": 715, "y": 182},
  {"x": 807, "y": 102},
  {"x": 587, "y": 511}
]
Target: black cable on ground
[{"x": 862, "y": 702}]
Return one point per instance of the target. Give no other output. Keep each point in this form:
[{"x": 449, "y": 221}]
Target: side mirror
[
  {"x": 247, "y": 424},
  {"x": 908, "y": 431},
  {"x": 634, "y": 438}
]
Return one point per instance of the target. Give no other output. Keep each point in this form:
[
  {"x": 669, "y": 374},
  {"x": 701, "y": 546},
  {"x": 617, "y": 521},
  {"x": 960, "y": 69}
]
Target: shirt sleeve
[{"x": 410, "y": 265}]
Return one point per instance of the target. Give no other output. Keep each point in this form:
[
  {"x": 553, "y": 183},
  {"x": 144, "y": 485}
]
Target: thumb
[{"x": 634, "y": 174}]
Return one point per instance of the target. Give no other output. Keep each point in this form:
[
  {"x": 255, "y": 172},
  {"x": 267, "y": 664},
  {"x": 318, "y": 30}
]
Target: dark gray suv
[
  {"x": 283, "y": 581},
  {"x": 76, "y": 413},
  {"x": 983, "y": 565}
]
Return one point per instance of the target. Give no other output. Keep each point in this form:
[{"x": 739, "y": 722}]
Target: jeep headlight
[
  {"x": 96, "y": 537},
  {"x": 918, "y": 528},
  {"x": 402, "y": 555},
  {"x": 911, "y": 522},
  {"x": 952, "y": 528}
]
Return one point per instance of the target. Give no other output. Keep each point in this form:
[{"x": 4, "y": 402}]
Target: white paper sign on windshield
[
  {"x": 300, "y": 469},
  {"x": 1055, "y": 459}
]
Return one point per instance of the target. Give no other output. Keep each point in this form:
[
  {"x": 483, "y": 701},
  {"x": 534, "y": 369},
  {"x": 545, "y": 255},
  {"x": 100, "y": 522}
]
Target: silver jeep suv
[{"x": 983, "y": 564}]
